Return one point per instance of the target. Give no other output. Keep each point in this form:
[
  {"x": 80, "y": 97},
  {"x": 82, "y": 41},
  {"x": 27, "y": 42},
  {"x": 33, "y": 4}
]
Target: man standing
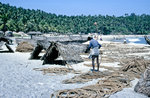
[{"x": 94, "y": 52}]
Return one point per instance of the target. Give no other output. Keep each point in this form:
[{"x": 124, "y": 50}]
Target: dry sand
[{"x": 19, "y": 80}]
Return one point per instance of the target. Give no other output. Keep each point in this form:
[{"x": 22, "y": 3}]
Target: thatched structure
[
  {"x": 5, "y": 39},
  {"x": 8, "y": 47},
  {"x": 24, "y": 47},
  {"x": 143, "y": 86},
  {"x": 41, "y": 44},
  {"x": 65, "y": 54},
  {"x": 68, "y": 38},
  {"x": 7, "y": 42},
  {"x": 34, "y": 34},
  {"x": 9, "y": 34}
]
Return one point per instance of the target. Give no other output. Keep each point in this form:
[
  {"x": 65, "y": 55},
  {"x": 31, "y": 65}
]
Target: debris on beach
[{"x": 24, "y": 47}]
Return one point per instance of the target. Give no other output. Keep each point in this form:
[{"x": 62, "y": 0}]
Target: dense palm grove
[{"x": 19, "y": 19}]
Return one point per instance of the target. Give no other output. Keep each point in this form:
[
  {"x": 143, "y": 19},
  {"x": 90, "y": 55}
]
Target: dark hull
[{"x": 147, "y": 40}]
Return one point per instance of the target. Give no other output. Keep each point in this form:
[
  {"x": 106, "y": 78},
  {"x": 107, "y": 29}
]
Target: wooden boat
[{"x": 147, "y": 39}]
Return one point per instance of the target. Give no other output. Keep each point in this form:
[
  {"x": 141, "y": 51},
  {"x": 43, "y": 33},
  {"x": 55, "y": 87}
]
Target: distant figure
[
  {"x": 94, "y": 52},
  {"x": 101, "y": 39},
  {"x": 125, "y": 41}
]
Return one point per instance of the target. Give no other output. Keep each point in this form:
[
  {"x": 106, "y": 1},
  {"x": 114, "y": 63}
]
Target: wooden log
[{"x": 44, "y": 43}]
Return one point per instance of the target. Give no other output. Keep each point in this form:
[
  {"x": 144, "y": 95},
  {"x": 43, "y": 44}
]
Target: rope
[
  {"x": 109, "y": 84},
  {"x": 55, "y": 70},
  {"x": 86, "y": 77},
  {"x": 103, "y": 88}
]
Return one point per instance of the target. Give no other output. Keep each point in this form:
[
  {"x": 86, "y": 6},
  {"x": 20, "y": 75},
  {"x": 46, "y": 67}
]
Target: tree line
[{"x": 19, "y": 19}]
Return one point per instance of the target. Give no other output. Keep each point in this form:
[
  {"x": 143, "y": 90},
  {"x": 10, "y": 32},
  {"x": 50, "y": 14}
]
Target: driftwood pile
[
  {"x": 24, "y": 47},
  {"x": 143, "y": 86}
]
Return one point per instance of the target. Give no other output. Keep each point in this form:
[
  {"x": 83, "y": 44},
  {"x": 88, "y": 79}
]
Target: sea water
[{"x": 136, "y": 40}]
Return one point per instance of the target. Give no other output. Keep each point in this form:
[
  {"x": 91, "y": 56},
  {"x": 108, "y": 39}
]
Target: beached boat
[{"x": 147, "y": 40}]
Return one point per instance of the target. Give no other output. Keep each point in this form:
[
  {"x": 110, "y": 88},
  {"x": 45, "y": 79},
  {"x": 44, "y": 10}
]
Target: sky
[{"x": 85, "y": 7}]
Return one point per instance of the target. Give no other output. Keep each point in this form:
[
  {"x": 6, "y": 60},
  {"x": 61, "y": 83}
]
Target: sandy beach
[
  {"x": 74, "y": 49},
  {"x": 18, "y": 79}
]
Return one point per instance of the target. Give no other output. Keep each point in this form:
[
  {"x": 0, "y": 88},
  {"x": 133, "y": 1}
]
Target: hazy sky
[{"x": 85, "y": 7}]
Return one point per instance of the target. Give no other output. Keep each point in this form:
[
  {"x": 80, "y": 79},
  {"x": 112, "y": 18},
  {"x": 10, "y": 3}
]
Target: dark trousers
[{"x": 97, "y": 60}]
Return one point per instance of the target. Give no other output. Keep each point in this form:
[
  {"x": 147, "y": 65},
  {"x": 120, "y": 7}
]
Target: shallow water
[{"x": 136, "y": 40}]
